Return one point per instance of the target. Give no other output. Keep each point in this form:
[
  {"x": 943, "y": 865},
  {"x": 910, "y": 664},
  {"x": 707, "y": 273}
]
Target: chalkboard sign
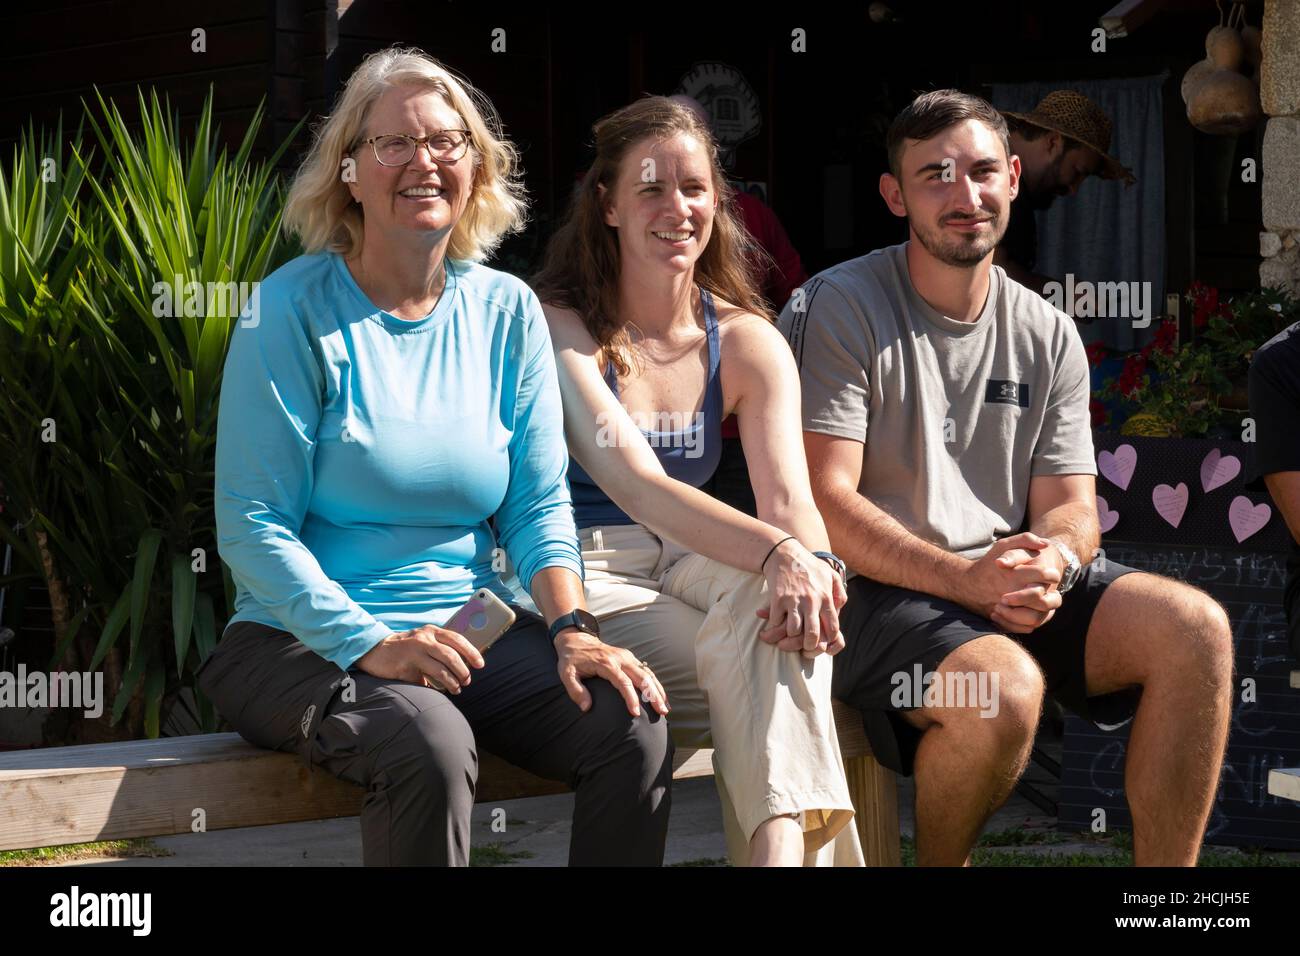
[
  {"x": 1180, "y": 507},
  {"x": 1264, "y": 734}
]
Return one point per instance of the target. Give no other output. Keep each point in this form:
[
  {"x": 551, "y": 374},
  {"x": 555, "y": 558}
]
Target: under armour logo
[
  {"x": 1007, "y": 393},
  {"x": 306, "y": 719}
]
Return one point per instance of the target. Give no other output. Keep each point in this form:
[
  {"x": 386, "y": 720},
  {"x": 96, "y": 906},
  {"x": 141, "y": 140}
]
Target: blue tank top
[{"x": 690, "y": 453}]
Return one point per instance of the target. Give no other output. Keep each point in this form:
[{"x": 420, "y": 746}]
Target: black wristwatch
[
  {"x": 835, "y": 562},
  {"x": 583, "y": 620}
]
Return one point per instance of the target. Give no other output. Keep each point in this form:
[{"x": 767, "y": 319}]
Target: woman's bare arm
[
  {"x": 805, "y": 593},
  {"x": 605, "y": 441},
  {"x": 762, "y": 377}
]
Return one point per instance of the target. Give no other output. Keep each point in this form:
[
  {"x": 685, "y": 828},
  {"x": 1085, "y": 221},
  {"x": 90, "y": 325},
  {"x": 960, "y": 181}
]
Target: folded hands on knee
[
  {"x": 1014, "y": 583},
  {"x": 805, "y": 597}
]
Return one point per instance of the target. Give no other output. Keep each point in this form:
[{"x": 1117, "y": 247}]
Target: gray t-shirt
[{"x": 955, "y": 417}]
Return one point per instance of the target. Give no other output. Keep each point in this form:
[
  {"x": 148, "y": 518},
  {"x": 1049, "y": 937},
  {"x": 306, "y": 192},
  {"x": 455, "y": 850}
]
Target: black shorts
[{"x": 890, "y": 630}]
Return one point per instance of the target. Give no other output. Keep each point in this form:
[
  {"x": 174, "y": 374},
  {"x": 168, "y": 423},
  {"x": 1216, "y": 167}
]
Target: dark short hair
[
  {"x": 1032, "y": 131},
  {"x": 931, "y": 113}
]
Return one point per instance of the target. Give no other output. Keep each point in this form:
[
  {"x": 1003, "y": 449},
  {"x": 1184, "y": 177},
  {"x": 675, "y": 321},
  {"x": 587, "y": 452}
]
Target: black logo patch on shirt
[{"x": 1007, "y": 393}]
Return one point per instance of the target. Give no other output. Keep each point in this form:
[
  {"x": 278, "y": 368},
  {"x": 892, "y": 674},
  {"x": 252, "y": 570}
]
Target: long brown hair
[{"x": 581, "y": 267}]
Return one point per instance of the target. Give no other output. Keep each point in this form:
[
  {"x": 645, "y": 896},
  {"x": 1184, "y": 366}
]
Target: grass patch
[
  {"x": 704, "y": 861},
  {"x": 1247, "y": 856},
  {"x": 1001, "y": 848},
  {"x": 58, "y": 855},
  {"x": 508, "y": 822},
  {"x": 1120, "y": 839},
  {"x": 496, "y": 854},
  {"x": 908, "y": 850},
  {"x": 1021, "y": 838},
  {"x": 988, "y": 857}
]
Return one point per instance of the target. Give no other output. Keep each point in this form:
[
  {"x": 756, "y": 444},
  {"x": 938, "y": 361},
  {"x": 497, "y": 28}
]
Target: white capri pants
[{"x": 766, "y": 712}]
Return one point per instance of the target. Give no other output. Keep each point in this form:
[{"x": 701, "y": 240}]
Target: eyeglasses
[{"x": 398, "y": 149}]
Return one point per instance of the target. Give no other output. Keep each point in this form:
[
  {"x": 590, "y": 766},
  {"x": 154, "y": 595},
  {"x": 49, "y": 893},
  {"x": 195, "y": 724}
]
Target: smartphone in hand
[{"x": 482, "y": 619}]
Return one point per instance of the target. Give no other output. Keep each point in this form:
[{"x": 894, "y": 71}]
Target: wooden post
[{"x": 873, "y": 789}]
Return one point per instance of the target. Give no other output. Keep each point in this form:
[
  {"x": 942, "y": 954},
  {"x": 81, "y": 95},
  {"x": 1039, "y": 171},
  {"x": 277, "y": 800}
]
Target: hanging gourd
[
  {"x": 1224, "y": 48},
  {"x": 1193, "y": 77},
  {"x": 1220, "y": 100},
  {"x": 1225, "y": 103},
  {"x": 1250, "y": 39}
]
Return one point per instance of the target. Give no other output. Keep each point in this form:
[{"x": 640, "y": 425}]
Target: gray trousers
[{"x": 414, "y": 749}]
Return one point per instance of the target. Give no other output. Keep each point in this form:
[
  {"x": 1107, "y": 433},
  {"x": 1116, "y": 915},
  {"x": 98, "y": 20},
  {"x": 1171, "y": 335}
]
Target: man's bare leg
[
  {"x": 967, "y": 764},
  {"x": 1175, "y": 641}
]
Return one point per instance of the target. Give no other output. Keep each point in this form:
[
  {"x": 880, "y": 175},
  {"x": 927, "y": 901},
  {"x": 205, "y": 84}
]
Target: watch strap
[
  {"x": 835, "y": 561},
  {"x": 1073, "y": 567},
  {"x": 583, "y": 620}
]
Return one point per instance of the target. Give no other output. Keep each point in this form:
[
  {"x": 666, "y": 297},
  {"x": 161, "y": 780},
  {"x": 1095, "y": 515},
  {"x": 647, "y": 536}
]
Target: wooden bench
[
  {"x": 140, "y": 788},
  {"x": 1286, "y": 782}
]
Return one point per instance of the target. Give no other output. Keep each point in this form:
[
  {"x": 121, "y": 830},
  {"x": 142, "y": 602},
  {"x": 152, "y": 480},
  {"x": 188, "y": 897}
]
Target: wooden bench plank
[
  {"x": 144, "y": 788},
  {"x": 1285, "y": 783},
  {"x": 873, "y": 789}
]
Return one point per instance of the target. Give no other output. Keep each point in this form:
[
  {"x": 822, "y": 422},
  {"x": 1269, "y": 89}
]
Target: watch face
[{"x": 582, "y": 620}]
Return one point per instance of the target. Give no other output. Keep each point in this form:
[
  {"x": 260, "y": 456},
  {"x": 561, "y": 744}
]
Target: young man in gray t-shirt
[{"x": 946, "y": 421}]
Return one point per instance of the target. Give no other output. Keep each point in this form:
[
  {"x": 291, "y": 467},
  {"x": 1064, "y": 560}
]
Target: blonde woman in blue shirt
[{"x": 387, "y": 398}]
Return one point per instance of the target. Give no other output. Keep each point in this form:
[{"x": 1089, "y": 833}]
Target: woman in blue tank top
[{"x": 659, "y": 334}]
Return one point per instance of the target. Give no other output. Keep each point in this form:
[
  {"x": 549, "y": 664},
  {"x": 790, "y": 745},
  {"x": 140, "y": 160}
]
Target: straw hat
[{"x": 1073, "y": 114}]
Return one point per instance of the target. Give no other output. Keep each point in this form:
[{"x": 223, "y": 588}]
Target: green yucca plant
[
  {"x": 42, "y": 369},
  {"x": 134, "y": 533}
]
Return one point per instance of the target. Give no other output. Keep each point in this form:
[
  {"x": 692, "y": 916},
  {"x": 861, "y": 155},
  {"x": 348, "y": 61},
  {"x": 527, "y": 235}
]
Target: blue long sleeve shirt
[{"x": 359, "y": 456}]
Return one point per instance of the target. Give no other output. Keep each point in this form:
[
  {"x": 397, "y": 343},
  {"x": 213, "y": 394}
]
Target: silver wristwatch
[{"x": 1073, "y": 567}]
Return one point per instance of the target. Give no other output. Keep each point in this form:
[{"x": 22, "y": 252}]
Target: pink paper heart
[
  {"x": 1107, "y": 518},
  {"x": 1246, "y": 518},
  {"x": 1170, "y": 502},
  {"x": 1218, "y": 469},
  {"x": 1118, "y": 467}
]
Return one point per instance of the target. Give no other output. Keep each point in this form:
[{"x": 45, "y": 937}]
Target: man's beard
[
  {"x": 1043, "y": 193},
  {"x": 959, "y": 249}
]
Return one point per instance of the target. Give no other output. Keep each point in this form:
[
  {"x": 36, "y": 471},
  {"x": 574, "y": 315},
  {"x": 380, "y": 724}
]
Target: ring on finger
[{"x": 646, "y": 696}]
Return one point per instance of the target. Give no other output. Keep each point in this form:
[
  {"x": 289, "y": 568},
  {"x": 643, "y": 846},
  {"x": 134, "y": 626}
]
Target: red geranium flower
[
  {"x": 1205, "y": 303},
  {"x": 1130, "y": 377},
  {"x": 1166, "y": 337},
  {"x": 1099, "y": 413},
  {"x": 1096, "y": 353}
]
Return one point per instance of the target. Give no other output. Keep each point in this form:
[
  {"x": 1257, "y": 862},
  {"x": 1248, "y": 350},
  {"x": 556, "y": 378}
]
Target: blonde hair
[
  {"x": 320, "y": 209},
  {"x": 581, "y": 267}
]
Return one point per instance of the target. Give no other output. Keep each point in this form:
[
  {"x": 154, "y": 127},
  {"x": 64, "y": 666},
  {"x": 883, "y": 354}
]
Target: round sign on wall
[{"x": 731, "y": 102}]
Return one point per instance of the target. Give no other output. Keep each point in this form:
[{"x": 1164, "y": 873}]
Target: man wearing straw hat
[{"x": 1063, "y": 141}]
